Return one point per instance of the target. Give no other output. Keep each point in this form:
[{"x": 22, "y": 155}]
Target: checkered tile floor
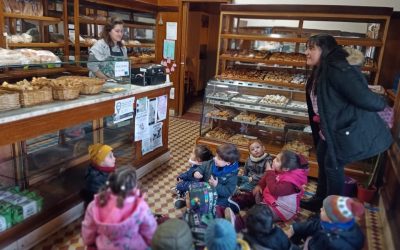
[{"x": 157, "y": 184}]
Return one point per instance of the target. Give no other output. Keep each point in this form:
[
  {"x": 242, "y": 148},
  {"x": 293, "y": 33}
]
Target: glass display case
[{"x": 238, "y": 111}]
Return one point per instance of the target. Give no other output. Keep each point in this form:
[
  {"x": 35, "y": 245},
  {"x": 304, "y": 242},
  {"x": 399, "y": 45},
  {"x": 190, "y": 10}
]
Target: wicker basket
[
  {"x": 66, "y": 93},
  {"x": 9, "y": 100},
  {"x": 91, "y": 89},
  {"x": 29, "y": 98}
]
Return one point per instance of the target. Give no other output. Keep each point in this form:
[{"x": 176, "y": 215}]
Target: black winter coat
[
  {"x": 276, "y": 240},
  {"x": 348, "y": 113},
  {"x": 351, "y": 239},
  {"x": 95, "y": 179}
]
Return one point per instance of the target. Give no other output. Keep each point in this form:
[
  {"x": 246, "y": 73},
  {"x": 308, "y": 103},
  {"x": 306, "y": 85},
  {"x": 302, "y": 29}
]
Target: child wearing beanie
[
  {"x": 262, "y": 233},
  {"x": 221, "y": 235},
  {"x": 102, "y": 163},
  {"x": 173, "y": 234},
  {"x": 335, "y": 229}
]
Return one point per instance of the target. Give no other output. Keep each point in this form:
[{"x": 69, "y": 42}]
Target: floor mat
[{"x": 157, "y": 184}]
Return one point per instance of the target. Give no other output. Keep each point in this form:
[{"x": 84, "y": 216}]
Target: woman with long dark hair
[
  {"x": 343, "y": 116},
  {"x": 109, "y": 48}
]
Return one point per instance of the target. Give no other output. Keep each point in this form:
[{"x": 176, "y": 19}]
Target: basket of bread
[
  {"x": 30, "y": 93},
  {"x": 9, "y": 100},
  {"x": 65, "y": 89},
  {"x": 89, "y": 86}
]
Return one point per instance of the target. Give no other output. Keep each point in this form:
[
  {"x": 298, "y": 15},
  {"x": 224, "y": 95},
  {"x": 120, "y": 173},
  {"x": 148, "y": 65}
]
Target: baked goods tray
[
  {"x": 244, "y": 122},
  {"x": 211, "y": 96},
  {"x": 296, "y": 105},
  {"x": 270, "y": 127},
  {"x": 251, "y": 99},
  {"x": 260, "y": 108},
  {"x": 218, "y": 118}
]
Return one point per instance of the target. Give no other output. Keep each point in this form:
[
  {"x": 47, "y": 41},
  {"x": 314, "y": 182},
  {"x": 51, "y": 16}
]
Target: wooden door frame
[{"x": 182, "y": 45}]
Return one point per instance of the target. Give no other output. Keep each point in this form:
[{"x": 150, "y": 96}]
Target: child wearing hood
[
  {"x": 282, "y": 185},
  {"x": 221, "y": 235},
  {"x": 335, "y": 229},
  {"x": 119, "y": 217},
  {"x": 262, "y": 233},
  {"x": 102, "y": 163},
  {"x": 221, "y": 173}
]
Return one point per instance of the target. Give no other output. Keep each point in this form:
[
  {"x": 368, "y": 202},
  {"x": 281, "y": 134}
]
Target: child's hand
[
  {"x": 257, "y": 190},
  {"x": 213, "y": 182},
  {"x": 250, "y": 179},
  {"x": 289, "y": 232},
  {"x": 197, "y": 175}
]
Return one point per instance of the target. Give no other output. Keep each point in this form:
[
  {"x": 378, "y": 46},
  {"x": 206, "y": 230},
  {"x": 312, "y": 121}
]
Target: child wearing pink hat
[{"x": 335, "y": 229}]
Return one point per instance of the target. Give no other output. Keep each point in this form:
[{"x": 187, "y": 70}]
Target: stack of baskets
[
  {"x": 9, "y": 100},
  {"x": 29, "y": 94}
]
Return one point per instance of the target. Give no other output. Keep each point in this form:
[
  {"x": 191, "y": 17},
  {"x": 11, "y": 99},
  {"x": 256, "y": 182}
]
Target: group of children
[{"x": 213, "y": 192}]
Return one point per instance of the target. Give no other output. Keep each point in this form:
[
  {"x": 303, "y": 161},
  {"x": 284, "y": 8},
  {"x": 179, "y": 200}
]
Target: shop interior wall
[
  {"x": 395, "y": 4},
  {"x": 162, "y": 18}
]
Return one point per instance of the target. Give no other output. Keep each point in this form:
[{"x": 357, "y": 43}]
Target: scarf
[
  {"x": 258, "y": 159},
  {"x": 221, "y": 171},
  {"x": 335, "y": 226},
  {"x": 104, "y": 169}
]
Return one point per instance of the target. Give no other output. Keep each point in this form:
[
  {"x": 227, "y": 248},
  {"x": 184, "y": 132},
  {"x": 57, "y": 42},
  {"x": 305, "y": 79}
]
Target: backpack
[
  {"x": 201, "y": 210},
  {"x": 202, "y": 198}
]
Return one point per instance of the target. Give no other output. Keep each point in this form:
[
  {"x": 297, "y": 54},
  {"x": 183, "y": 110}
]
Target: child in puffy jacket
[
  {"x": 119, "y": 217},
  {"x": 335, "y": 229},
  {"x": 200, "y": 154},
  {"x": 102, "y": 163},
  {"x": 282, "y": 186}
]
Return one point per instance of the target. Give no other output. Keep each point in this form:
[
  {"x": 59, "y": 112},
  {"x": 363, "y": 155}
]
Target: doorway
[{"x": 199, "y": 52}]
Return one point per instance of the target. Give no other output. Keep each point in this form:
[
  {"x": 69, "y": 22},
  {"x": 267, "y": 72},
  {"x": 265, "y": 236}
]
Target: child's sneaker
[
  {"x": 180, "y": 203},
  {"x": 173, "y": 190},
  {"x": 229, "y": 215}
]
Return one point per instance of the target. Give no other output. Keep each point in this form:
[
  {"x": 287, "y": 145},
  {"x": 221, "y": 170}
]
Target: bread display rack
[{"x": 259, "y": 87}]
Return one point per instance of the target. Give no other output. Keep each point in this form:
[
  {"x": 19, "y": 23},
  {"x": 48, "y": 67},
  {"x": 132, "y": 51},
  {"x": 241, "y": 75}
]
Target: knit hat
[
  {"x": 98, "y": 152},
  {"x": 173, "y": 234},
  {"x": 342, "y": 209},
  {"x": 220, "y": 235}
]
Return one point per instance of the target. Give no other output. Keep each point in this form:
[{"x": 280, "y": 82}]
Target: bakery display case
[
  {"x": 259, "y": 87},
  {"x": 44, "y": 139},
  {"x": 238, "y": 111}
]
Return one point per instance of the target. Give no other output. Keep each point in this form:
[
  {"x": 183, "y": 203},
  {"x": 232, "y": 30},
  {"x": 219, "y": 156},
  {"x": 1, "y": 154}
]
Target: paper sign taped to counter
[
  {"x": 141, "y": 126},
  {"x": 121, "y": 68},
  {"x": 123, "y": 109},
  {"x": 162, "y": 107},
  {"x": 141, "y": 105},
  {"x": 155, "y": 138},
  {"x": 152, "y": 108}
]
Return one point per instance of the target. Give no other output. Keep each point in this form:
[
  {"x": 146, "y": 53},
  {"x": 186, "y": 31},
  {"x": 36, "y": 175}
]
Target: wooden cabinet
[{"x": 261, "y": 58}]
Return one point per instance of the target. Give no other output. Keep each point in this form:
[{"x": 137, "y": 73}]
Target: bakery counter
[{"x": 20, "y": 124}]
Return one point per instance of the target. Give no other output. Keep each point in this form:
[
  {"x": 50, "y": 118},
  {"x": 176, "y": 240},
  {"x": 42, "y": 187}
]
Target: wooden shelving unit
[
  {"x": 240, "y": 38},
  {"x": 36, "y": 45},
  {"x": 37, "y": 18}
]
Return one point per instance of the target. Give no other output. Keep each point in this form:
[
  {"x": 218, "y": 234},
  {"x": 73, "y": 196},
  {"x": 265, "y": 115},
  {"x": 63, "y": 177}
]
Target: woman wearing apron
[{"x": 107, "y": 49}]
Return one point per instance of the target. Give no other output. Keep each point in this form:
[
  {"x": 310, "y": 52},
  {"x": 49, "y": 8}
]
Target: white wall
[{"x": 395, "y": 4}]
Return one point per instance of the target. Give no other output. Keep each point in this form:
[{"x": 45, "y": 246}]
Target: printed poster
[
  {"x": 162, "y": 107},
  {"x": 154, "y": 140},
  {"x": 172, "y": 30},
  {"x": 141, "y": 105},
  {"x": 123, "y": 109},
  {"x": 169, "y": 49},
  {"x": 141, "y": 119},
  {"x": 152, "y": 108}
]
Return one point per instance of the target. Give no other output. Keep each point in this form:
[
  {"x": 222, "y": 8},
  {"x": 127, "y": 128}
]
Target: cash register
[{"x": 150, "y": 74}]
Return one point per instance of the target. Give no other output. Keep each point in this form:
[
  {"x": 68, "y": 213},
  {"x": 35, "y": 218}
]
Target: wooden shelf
[
  {"x": 22, "y": 73},
  {"x": 36, "y": 45},
  {"x": 340, "y": 40},
  {"x": 142, "y": 45},
  {"x": 126, "y": 23},
  {"x": 260, "y": 60},
  {"x": 283, "y": 84},
  {"x": 38, "y": 18}
]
